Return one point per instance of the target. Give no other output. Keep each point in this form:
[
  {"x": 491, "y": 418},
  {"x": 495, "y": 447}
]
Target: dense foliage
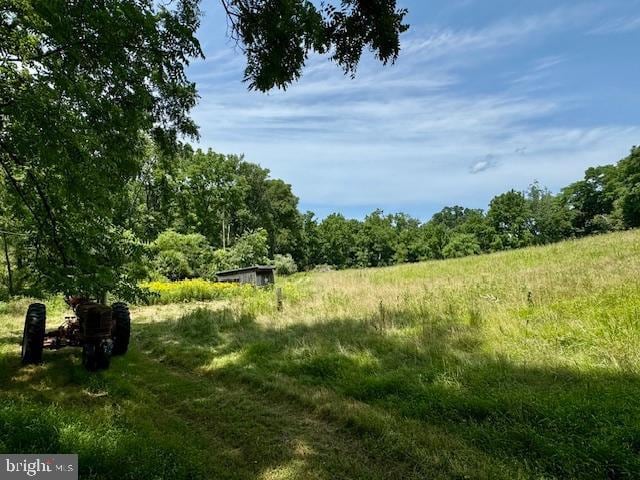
[
  {"x": 607, "y": 199},
  {"x": 194, "y": 213},
  {"x": 85, "y": 85},
  {"x": 277, "y": 36},
  {"x": 100, "y": 194},
  {"x": 80, "y": 83}
]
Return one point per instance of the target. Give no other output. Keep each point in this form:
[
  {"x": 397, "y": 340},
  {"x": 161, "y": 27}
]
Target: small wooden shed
[{"x": 258, "y": 275}]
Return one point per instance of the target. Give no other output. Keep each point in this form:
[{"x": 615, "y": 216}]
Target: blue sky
[{"x": 487, "y": 95}]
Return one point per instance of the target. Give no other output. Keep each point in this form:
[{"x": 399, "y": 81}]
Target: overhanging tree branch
[{"x": 45, "y": 203}]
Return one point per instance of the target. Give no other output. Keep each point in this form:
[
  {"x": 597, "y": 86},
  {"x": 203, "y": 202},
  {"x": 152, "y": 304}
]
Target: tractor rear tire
[
  {"x": 121, "y": 329},
  {"x": 33, "y": 335}
]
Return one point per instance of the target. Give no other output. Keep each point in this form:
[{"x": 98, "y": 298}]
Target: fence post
[{"x": 279, "y": 299}]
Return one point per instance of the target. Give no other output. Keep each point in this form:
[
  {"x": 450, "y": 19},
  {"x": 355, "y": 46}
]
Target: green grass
[{"x": 522, "y": 364}]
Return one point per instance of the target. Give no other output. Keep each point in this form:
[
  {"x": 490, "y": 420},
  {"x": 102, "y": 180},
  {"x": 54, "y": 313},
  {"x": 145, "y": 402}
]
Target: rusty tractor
[{"x": 101, "y": 331}]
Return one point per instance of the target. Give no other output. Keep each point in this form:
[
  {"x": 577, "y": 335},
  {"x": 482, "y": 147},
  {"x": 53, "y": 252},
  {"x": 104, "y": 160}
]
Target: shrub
[
  {"x": 461, "y": 245},
  {"x": 179, "y": 256},
  {"x": 250, "y": 249},
  {"x": 221, "y": 261},
  {"x": 172, "y": 264},
  {"x": 603, "y": 224},
  {"x": 285, "y": 264}
]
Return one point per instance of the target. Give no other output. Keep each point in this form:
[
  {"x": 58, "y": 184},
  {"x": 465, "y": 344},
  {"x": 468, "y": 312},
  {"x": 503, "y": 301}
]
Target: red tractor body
[{"x": 101, "y": 331}]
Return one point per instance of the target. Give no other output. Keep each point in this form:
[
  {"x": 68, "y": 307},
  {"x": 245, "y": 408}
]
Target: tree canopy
[
  {"x": 174, "y": 232},
  {"x": 82, "y": 83},
  {"x": 85, "y": 84},
  {"x": 277, "y": 36}
]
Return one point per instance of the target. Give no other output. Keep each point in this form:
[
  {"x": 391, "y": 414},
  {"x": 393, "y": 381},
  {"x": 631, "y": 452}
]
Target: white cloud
[
  {"x": 410, "y": 134},
  {"x": 618, "y": 25},
  {"x": 489, "y": 162},
  {"x": 504, "y": 33}
]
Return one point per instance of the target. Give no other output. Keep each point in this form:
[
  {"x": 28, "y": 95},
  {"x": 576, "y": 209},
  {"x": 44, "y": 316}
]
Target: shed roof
[{"x": 255, "y": 268}]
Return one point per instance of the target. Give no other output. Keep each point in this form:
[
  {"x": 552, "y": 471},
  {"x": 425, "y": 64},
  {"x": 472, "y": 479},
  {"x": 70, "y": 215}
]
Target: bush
[
  {"x": 250, "y": 249},
  {"x": 603, "y": 224},
  {"x": 461, "y": 245},
  {"x": 221, "y": 261},
  {"x": 285, "y": 264},
  {"x": 179, "y": 256},
  {"x": 172, "y": 264}
]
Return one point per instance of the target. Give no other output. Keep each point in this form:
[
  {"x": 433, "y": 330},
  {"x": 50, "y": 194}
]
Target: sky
[{"x": 487, "y": 95}]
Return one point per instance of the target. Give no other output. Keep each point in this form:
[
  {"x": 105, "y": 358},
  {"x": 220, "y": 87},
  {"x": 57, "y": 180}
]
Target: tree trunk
[
  {"x": 102, "y": 298},
  {"x": 8, "y": 261},
  {"x": 224, "y": 236}
]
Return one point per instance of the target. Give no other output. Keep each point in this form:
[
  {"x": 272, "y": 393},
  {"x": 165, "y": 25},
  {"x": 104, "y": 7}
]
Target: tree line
[
  {"x": 193, "y": 213},
  {"x": 605, "y": 200},
  {"x": 235, "y": 206}
]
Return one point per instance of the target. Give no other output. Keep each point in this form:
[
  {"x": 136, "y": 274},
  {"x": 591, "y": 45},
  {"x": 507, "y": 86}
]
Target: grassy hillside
[{"x": 522, "y": 364}]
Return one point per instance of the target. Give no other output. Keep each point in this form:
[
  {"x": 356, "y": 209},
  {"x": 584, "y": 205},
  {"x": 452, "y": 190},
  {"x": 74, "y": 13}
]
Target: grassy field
[{"x": 523, "y": 364}]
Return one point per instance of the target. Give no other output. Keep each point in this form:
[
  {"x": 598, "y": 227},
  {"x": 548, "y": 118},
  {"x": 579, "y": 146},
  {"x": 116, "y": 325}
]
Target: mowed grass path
[{"x": 522, "y": 364}]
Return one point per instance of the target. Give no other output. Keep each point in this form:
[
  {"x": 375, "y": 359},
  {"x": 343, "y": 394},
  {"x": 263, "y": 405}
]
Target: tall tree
[
  {"x": 550, "y": 217},
  {"x": 337, "y": 238},
  {"x": 79, "y": 84},
  {"x": 593, "y": 196},
  {"x": 435, "y": 237},
  {"x": 310, "y": 241},
  {"x": 285, "y": 234},
  {"x": 408, "y": 245},
  {"x": 254, "y": 213},
  {"x": 376, "y": 241},
  {"x": 453, "y": 217},
  {"x": 510, "y": 216},
  {"x": 209, "y": 191},
  {"x": 629, "y": 176},
  {"x": 82, "y": 82},
  {"x": 149, "y": 207},
  {"x": 476, "y": 223}
]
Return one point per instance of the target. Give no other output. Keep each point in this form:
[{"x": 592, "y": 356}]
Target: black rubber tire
[
  {"x": 33, "y": 335},
  {"x": 121, "y": 329}
]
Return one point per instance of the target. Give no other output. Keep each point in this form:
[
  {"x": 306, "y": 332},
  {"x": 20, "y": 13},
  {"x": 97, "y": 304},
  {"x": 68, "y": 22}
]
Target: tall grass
[
  {"x": 531, "y": 355},
  {"x": 522, "y": 364}
]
